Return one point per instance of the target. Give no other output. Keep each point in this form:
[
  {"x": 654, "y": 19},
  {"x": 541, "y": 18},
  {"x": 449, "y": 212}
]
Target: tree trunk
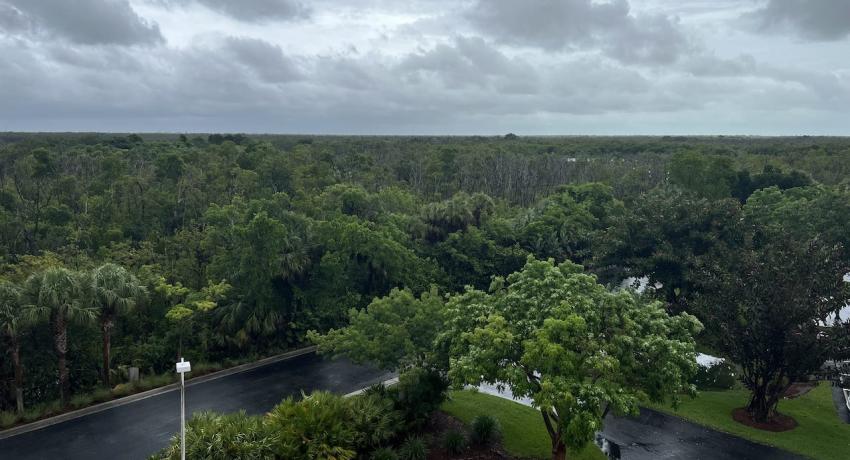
[
  {"x": 559, "y": 451},
  {"x": 759, "y": 407},
  {"x": 19, "y": 375},
  {"x": 60, "y": 337},
  {"x": 106, "y": 330}
]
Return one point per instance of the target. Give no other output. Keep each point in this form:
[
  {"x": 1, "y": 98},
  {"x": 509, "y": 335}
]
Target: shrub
[
  {"x": 384, "y": 454},
  {"x": 374, "y": 419},
  {"x": 101, "y": 395},
  {"x": 419, "y": 393},
  {"x": 33, "y": 413},
  {"x": 155, "y": 381},
  {"x": 213, "y": 436},
  {"x": 122, "y": 389},
  {"x": 82, "y": 400},
  {"x": 485, "y": 429},
  {"x": 7, "y": 419},
  {"x": 318, "y": 426},
  {"x": 454, "y": 442},
  {"x": 413, "y": 449}
]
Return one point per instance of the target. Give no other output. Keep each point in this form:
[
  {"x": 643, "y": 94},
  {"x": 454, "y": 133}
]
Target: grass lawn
[
  {"x": 523, "y": 432},
  {"x": 820, "y": 434}
]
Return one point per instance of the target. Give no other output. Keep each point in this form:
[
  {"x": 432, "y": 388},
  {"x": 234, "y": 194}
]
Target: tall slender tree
[
  {"x": 114, "y": 291},
  {"x": 54, "y": 294},
  {"x": 12, "y": 320}
]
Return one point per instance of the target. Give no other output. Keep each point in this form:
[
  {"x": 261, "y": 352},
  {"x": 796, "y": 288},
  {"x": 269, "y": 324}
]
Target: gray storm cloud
[
  {"x": 374, "y": 66},
  {"x": 824, "y": 20},
  {"x": 90, "y": 22}
]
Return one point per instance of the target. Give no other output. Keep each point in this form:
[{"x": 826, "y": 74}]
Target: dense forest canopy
[{"x": 237, "y": 245}]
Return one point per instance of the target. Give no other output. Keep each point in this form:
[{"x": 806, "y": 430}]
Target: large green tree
[
  {"x": 551, "y": 333},
  {"x": 114, "y": 291},
  {"x": 55, "y": 294},
  {"x": 766, "y": 304}
]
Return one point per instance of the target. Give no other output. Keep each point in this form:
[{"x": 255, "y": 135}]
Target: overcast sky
[{"x": 427, "y": 66}]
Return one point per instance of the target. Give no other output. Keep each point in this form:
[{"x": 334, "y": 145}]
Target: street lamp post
[{"x": 182, "y": 368}]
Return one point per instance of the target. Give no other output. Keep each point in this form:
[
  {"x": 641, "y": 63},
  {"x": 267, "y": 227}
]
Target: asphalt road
[
  {"x": 654, "y": 436},
  {"x": 138, "y": 429}
]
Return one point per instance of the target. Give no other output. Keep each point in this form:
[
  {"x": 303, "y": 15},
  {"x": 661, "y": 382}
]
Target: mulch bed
[
  {"x": 441, "y": 423},
  {"x": 779, "y": 422}
]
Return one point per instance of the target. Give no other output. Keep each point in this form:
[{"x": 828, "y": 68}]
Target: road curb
[
  {"x": 386, "y": 383},
  {"x": 37, "y": 425}
]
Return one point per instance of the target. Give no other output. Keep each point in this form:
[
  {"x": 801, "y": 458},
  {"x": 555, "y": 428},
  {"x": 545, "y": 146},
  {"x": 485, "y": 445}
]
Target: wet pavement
[
  {"x": 840, "y": 404},
  {"x": 138, "y": 429},
  {"x": 654, "y": 435}
]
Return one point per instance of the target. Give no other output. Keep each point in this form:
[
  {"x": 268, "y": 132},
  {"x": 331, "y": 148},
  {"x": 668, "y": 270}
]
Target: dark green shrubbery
[
  {"x": 485, "y": 429},
  {"x": 384, "y": 453},
  {"x": 454, "y": 442},
  {"x": 320, "y": 426},
  {"x": 214, "y": 436},
  {"x": 413, "y": 449},
  {"x": 419, "y": 392}
]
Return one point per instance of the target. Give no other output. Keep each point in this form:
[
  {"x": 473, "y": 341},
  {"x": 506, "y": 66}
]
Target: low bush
[
  {"x": 223, "y": 437},
  {"x": 82, "y": 400},
  {"x": 374, "y": 420},
  {"x": 485, "y": 429},
  {"x": 7, "y": 419},
  {"x": 123, "y": 389},
  {"x": 413, "y": 449},
  {"x": 454, "y": 442},
  {"x": 101, "y": 395},
  {"x": 384, "y": 453},
  {"x": 419, "y": 392},
  {"x": 155, "y": 381},
  {"x": 318, "y": 426}
]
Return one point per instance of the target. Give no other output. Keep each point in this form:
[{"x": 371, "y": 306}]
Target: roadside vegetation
[
  {"x": 501, "y": 260},
  {"x": 523, "y": 432}
]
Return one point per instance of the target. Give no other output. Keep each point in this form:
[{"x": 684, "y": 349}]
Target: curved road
[
  {"x": 138, "y": 429},
  {"x": 653, "y": 436}
]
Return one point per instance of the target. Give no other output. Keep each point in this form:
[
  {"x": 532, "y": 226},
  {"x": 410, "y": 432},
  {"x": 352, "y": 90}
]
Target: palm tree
[
  {"x": 55, "y": 295},
  {"x": 12, "y": 320},
  {"x": 114, "y": 291}
]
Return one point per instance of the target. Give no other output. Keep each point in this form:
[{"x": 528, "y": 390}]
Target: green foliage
[
  {"x": 454, "y": 442},
  {"x": 223, "y": 437},
  {"x": 720, "y": 376},
  {"x": 819, "y": 434},
  {"x": 245, "y": 243},
  {"x": 394, "y": 332},
  {"x": 553, "y": 334},
  {"x": 81, "y": 400},
  {"x": 419, "y": 392},
  {"x": 711, "y": 177},
  {"x": 524, "y": 434},
  {"x": 374, "y": 419},
  {"x": 413, "y": 448},
  {"x": 484, "y": 430},
  {"x": 766, "y": 304},
  {"x": 317, "y": 427},
  {"x": 384, "y": 453},
  {"x": 7, "y": 419}
]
